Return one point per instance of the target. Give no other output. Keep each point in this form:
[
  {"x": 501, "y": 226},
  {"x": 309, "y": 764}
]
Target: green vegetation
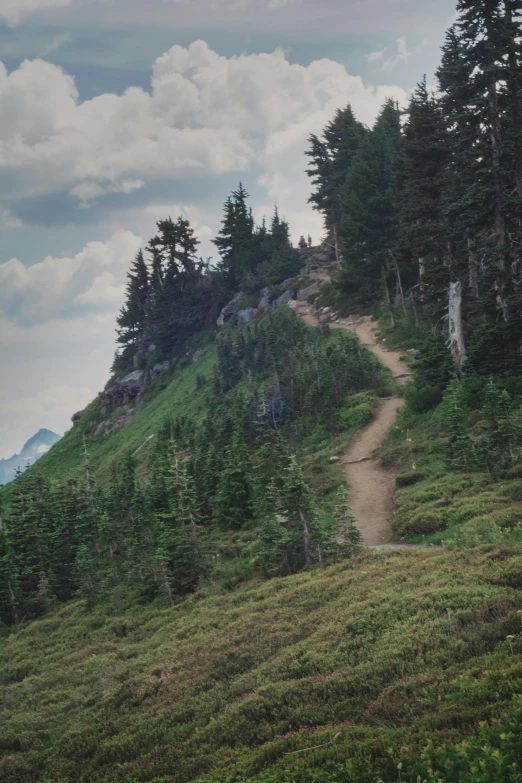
[
  {"x": 183, "y": 593},
  {"x": 379, "y": 661},
  {"x": 158, "y": 514}
]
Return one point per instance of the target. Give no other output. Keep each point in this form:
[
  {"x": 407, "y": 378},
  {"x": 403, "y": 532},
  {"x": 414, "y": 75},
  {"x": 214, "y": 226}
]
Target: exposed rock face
[
  {"x": 197, "y": 356},
  {"x": 264, "y": 303},
  {"x": 75, "y": 418},
  {"x": 304, "y": 293},
  {"x": 315, "y": 258},
  {"x": 159, "y": 369},
  {"x": 245, "y": 316},
  {"x": 229, "y": 309},
  {"x": 125, "y": 390},
  {"x": 284, "y": 299}
]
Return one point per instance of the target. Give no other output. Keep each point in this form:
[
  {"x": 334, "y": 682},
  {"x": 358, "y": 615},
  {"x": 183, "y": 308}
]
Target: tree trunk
[
  {"x": 495, "y": 138},
  {"x": 456, "y": 335},
  {"x": 336, "y": 244},
  {"x": 399, "y": 283},
  {"x": 388, "y": 297},
  {"x": 473, "y": 267},
  {"x": 12, "y": 600},
  {"x": 306, "y": 539},
  {"x": 514, "y": 92}
]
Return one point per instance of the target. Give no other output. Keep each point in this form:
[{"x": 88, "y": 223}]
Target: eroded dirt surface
[{"x": 371, "y": 485}]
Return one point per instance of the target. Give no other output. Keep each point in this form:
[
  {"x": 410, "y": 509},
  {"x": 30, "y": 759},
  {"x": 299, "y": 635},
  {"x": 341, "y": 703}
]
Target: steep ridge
[{"x": 371, "y": 485}]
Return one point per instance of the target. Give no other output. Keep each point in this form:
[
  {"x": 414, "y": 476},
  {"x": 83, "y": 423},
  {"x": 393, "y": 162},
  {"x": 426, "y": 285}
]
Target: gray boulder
[
  {"x": 125, "y": 390},
  {"x": 310, "y": 290},
  {"x": 159, "y": 369},
  {"x": 284, "y": 299},
  {"x": 244, "y": 317},
  {"x": 197, "y": 356},
  {"x": 264, "y": 303},
  {"x": 229, "y": 309}
]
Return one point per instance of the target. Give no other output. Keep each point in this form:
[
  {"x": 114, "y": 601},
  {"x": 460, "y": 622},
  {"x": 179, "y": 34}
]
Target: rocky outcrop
[
  {"x": 283, "y": 300},
  {"x": 317, "y": 257},
  {"x": 142, "y": 354},
  {"x": 310, "y": 290},
  {"x": 158, "y": 369},
  {"x": 229, "y": 309},
  {"x": 244, "y": 317},
  {"x": 125, "y": 390}
]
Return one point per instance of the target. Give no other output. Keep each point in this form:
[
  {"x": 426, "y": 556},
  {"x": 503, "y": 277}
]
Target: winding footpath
[{"x": 371, "y": 485}]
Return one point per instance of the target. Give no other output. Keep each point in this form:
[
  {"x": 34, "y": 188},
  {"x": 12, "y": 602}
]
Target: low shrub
[
  {"x": 481, "y": 530},
  {"x": 409, "y": 478}
]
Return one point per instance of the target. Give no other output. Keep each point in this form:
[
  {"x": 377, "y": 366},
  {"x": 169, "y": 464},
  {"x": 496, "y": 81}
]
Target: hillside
[
  {"x": 336, "y": 675},
  {"x": 284, "y": 543}
]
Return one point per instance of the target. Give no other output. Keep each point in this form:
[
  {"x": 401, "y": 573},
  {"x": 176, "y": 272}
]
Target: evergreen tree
[
  {"x": 232, "y": 503},
  {"x": 235, "y": 240},
  {"x": 420, "y": 185},
  {"x": 331, "y": 159},
  {"x": 479, "y": 79},
  {"x": 369, "y": 228},
  {"x": 132, "y": 319}
]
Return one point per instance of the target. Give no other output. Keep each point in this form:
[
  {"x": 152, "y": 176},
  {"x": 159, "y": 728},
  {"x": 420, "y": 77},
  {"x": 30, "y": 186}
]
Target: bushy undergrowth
[{"x": 335, "y": 676}]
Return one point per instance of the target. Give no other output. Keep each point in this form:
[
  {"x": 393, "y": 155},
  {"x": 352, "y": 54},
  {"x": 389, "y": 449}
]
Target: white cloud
[
  {"x": 13, "y": 11},
  {"x": 59, "y": 41},
  {"x": 92, "y": 280},
  {"x": 206, "y": 115},
  {"x": 10, "y": 221},
  {"x": 402, "y": 55},
  {"x": 87, "y": 192}
]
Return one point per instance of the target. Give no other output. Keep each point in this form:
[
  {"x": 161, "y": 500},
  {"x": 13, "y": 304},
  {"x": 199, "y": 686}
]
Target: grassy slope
[
  {"x": 174, "y": 395},
  {"x": 363, "y": 658}
]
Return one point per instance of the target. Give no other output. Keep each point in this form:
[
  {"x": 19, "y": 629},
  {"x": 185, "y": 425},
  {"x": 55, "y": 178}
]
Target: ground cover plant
[{"x": 366, "y": 667}]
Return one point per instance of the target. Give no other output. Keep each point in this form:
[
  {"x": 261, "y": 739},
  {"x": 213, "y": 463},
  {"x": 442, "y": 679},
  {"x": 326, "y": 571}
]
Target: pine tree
[
  {"x": 352, "y": 540},
  {"x": 132, "y": 319},
  {"x": 235, "y": 241},
  {"x": 420, "y": 192},
  {"x": 369, "y": 228},
  {"x": 276, "y": 536},
  {"x": 232, "y": 504},
  {"x": 308, "y": 533},
  {"x": 480, "y": 84},
  {"x": 331, "y": 159}
]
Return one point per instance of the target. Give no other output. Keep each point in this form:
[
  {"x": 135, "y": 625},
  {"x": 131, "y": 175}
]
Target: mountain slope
[
  {"x": 33, "y": 450},
  {"x": 331, "y": 676}
]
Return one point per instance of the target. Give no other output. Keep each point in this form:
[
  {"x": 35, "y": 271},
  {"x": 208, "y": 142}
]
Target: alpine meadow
[{"x": 284, "y": 543}]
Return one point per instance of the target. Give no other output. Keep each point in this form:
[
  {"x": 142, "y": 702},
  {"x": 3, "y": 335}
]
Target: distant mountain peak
[{"x": 35, "y": 448}]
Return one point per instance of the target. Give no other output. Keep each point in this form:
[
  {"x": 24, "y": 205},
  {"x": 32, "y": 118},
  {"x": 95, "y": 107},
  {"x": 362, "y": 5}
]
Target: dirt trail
[{"x": 371, "y": 485}]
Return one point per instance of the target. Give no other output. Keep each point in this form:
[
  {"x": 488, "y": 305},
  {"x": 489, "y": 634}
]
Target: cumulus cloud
[
  {"x": 205, "y": 115},
  {"x": 66, "y": 287}
]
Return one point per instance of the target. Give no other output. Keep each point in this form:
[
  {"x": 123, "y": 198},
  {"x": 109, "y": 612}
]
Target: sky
[{"x": 118, "y": 113}]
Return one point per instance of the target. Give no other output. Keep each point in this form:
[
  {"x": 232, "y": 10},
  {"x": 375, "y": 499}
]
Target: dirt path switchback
[{"x": 371, "y": 485}]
